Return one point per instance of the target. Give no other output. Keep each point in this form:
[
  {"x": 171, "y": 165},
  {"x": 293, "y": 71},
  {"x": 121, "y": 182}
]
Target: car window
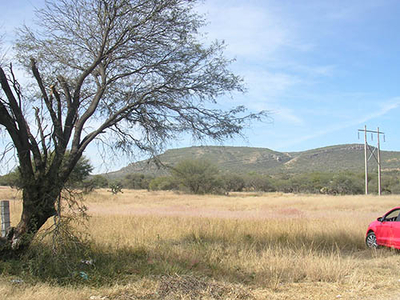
[{"x": 392, "y": 216}]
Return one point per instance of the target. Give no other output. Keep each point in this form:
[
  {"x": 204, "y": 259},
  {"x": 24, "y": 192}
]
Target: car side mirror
[{"x": 380, "y": 219}]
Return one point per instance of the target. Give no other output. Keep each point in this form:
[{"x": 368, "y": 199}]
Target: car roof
[{"x": 397, "y": 207}]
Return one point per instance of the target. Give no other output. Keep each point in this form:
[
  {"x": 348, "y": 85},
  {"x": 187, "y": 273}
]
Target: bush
[
  {"x": 136, "y": 181},
  {"x": 201, "y": 177},
  {"x": 233, "y": 183},
  {"x": 78, "y": 175},
  {"x": 12, "y": 179},
  {"x": 346, "y": 184},
  {"x": 262, "y": 183},
  {"x": 197, "y": 176},
  {"x": 163, "y": 183},
  {"x": 99, "y": 181},
  {"x": 115, "y": 188}
]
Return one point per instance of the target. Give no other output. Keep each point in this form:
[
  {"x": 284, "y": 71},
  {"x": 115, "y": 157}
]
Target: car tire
[{"x": 370, "y": 240}]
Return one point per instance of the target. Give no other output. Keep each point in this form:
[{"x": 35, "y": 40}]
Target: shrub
[
  {"x": 163, "y": 183},
  {"x": 197, "y": 176},
  {"x": 115, "y": 188},
  {"x": 99, "y": 181},
  {"x": 136, "y": 181},
  {"x": 346, "y": 184},
  {"x": 262, "y": 183},
  {"x": 233, "y": 183}
]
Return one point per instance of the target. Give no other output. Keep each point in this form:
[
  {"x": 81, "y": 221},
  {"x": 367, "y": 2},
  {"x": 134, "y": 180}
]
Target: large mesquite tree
[{"x": 130, "y": 72}]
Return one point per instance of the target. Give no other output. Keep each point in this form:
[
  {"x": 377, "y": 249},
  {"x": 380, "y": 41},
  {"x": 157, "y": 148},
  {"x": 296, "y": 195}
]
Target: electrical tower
[{"x": 372, "y": 150}]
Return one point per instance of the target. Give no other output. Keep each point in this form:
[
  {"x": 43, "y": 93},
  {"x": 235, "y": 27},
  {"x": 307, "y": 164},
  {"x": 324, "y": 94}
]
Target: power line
[{"x": 372, "y": 150}]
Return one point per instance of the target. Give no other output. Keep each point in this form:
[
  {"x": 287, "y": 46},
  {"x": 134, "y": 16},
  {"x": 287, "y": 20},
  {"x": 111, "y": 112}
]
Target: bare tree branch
[{"x": 133, "y": 70}]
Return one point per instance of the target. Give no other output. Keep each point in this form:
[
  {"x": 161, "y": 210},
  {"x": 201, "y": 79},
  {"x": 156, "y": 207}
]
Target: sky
[{"x": 322, "y": 69}]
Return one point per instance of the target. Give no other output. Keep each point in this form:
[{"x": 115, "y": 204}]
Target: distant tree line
[
  {"x": 202, "y": 177},
  {"x": 77, "y": 179}
]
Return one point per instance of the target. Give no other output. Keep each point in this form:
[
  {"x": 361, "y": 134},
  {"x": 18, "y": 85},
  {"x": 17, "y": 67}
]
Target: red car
[{"x": 385, "y": 231}]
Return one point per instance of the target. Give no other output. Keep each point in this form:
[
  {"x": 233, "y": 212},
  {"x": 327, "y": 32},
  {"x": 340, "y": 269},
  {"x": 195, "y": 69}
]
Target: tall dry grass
[{"x": 155, "y": 245}]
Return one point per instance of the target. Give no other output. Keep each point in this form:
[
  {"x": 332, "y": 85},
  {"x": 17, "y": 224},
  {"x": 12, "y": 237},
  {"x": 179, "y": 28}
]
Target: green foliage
[
  {"x": 390, "y": 183},
  {"x": 256, "y": 182},
  {"x": 233, "y": 183},
  {"x": 76, "y": 180},
  {"x": 80, "y": 172},
  {"x": 58, "y": 255},
  {"x": 197, "y": 176},
  {"x": 136, "y": 181},
  {"x": 115, "y": 188},
  {"x": 99, "y": 181},
  {"x": 12, "y": 179},
  {"x": 244, "y": 160},
  {"x": 163, "y": 183},
  {"x": 201, "y": 177},
  {"x": 79, "y": 263},
  {"x": 346, "y": 184},
  {"x": 302, "y": 183}
]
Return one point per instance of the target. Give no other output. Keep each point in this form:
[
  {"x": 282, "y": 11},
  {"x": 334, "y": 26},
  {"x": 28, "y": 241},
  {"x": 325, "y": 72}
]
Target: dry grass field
[{"x": 163, "y": 245}]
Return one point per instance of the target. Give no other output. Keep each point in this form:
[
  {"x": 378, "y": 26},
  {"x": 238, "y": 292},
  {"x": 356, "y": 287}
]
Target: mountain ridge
[{"x": 336, "y": 158}]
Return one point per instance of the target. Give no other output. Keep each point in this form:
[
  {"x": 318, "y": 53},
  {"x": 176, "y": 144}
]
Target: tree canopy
[
  {"x": 130, "y": 73},
  {"x": 198, "y": 176}
]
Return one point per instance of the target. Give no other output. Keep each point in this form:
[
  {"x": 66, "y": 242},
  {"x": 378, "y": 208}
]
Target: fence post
[{"x": 5, "y": 217}]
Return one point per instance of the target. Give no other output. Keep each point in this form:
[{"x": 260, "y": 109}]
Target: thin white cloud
[
  {"x": 256, "y": 32},
  {"x": 287, "y": 115},
  {"x": 386, "y": 107},
  {"x": 259, "y": 34},
  {"x": 264, "y": 92},
  {"x": 351, "y": 10},
  {"x": 270, "y": 84},
  {"x": 247, "y": 30}
]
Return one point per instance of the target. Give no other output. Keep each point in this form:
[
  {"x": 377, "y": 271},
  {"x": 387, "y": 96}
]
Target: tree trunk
[{"x": 38, "y": 206}]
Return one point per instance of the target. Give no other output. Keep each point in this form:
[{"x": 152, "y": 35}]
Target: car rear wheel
[{"x": 371, "y": 240}]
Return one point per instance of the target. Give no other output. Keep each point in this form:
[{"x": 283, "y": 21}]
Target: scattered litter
[
  {"x": 89, "y": 262},
  {"x": 339, "y": 296},
  {"x": 84, "y": 275},
  {"x": 98, "y": 298},
  {"x": 17, "y": 281}
]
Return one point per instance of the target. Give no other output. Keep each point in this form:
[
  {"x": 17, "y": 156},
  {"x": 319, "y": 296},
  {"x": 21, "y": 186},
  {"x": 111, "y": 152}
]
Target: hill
[{"x": 265, "y": 161}]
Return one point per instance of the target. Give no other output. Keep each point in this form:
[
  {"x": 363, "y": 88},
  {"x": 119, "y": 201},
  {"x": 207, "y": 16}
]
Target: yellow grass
[{"x": 242, "y": 246}]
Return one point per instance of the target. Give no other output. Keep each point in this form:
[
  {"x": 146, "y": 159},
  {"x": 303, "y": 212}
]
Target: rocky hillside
[{"x": 265, "y": 161}]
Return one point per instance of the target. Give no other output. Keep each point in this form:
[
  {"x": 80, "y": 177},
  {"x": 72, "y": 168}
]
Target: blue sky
[{"x": 323, "y": 69}]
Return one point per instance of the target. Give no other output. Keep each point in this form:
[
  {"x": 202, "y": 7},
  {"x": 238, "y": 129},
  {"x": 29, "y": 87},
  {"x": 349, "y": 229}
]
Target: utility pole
[
  {"x": 365, "y": 160},
  {"x": 377, "y": 157},
  {"x": 379, "y": 166}
]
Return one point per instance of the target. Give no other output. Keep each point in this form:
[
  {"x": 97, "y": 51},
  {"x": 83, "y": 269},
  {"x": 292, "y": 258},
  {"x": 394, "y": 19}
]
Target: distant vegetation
[
  {"x": 330, "y": 170},
  {"x": 244, "y": 160},
  {"x": 202, "y": 177},
  {"x": 208, "y": 170},
  {"x": 77, "y": 180},
  {"x": 208, "y": 180}
]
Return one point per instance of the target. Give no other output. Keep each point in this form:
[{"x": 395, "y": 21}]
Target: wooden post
[{"x": 5, "y": 217}]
